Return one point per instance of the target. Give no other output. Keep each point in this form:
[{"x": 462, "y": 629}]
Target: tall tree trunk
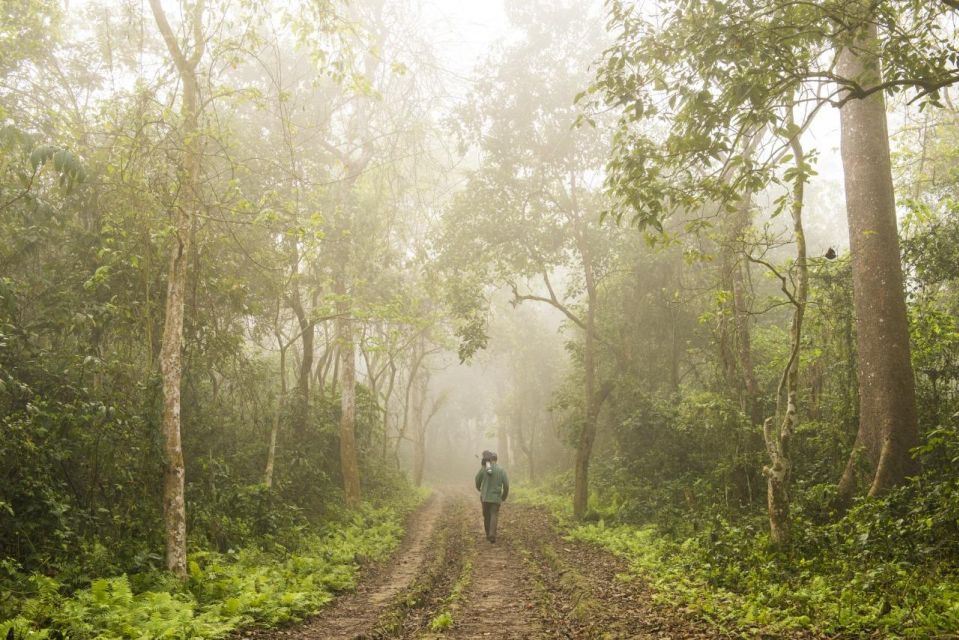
[
  {"x": 278, "y": 405},
  {"x": 349, "y": 465},
  {"x": 779, "y": 470},
  {"x": 888, "y": 423},
  {"x": 737, "y": 357},
  {"x": 594, "y": 399},
  {"x": 419, "y": 458},
  {"x": 419, "y": 353},
  {"x": 348, "y": 461},
  {"x": 750, "y": 401},
  {"x": 675, "y": 352},
  {"x": 386, "y": 410},
  {"x": 174, "y": 501},
  {"x": 301, "y": 415},
  {"x": 419, "y": 427}
]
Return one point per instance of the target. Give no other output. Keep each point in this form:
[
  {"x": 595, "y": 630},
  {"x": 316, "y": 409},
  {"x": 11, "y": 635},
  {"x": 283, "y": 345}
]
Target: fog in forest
[{"x": 277, "y": 277}]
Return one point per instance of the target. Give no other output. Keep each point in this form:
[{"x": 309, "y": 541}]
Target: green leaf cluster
[
  {"x": 224, "y": 592},
  {"x": 879, "y": 571}
]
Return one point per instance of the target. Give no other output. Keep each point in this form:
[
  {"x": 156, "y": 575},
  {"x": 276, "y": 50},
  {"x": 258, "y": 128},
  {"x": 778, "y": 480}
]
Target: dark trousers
[{"x": 490, "y": 515}]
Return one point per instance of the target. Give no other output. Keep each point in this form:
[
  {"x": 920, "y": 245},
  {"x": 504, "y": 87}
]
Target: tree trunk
[
  {"x": 174, "y": 473},
  {"x": 301, "y": 415},
  {"x": 348, "y": 461},
  {"x": 593, "y": 400},
  {"x": 779, "y": 470},
  {"x": 530, "y": 456},
  {"x": 419, "y": 422},
  {"x": 278, "y": 408},
  {"x": 527, "y": 446},
  {"x": 174, "y": 501},
  {"x": 502, "y": 442},
  {"x": 386, "y": 410},
  {"x": 750, "y": 401},
  {"x": 737, "y": 357},
  {"x": 888, "y": 426},
  {"x": 419, "y": 353},
  {"x": 419, "y": 458}
]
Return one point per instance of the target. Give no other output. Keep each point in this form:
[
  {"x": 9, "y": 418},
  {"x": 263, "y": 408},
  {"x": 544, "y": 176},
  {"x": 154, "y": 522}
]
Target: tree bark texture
[
  {"x": 888, "y": 426},
  {"x": 171, "y": 365},
  {"x": 779, "y": 470}
]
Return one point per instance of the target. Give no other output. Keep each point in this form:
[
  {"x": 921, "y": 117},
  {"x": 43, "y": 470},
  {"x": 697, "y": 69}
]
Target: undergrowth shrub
[
  {"x": 253, "y": 585},
  {"x": 887, "y": 568}
]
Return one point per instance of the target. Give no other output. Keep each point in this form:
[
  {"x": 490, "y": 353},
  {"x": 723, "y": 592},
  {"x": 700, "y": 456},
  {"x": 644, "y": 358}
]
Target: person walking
[{"x": 493, "y": 485}]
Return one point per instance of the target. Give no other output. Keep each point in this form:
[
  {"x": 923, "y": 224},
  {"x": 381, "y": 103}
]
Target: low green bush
[
  {"x": 887, "y": 568},
  {"x": 225, "y": 591}
]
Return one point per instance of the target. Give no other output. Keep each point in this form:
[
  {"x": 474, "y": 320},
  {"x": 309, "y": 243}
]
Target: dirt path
[
  {"x": 500, "y": 600},
  {"x": 447, "y": 581}
]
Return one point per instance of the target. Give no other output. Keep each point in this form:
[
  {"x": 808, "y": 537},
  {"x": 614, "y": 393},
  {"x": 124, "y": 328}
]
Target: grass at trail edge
[
  {"x": 224, "y": 592},
  {"x": 748, "y": 589}
]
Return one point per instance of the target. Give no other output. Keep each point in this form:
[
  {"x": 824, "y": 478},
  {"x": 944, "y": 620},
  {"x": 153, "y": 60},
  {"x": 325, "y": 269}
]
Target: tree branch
[
  {"x": 552, "y": 300},
  {"x": 182, "y": 64}
]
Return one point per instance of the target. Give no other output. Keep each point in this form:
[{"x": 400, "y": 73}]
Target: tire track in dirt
[
  {"x": 412, "y": 610},
  {"x": 586, "y": 592},
  {"x": 532, "y": 584},
  {"x": 499, "y": 601},
  {"x": 354, "y": 614}
]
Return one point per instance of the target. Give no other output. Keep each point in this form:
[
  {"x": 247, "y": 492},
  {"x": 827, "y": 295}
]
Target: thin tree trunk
[
  {"x": 301, "y": 417},
  {"x": 594, "y": 399},
  {"x": 348, "y": 460},
  {"x": 888, "y": 423},
  {"x": 527, "y": 447},
  {"x": 386, "y": 409},
  {"x": 419, "y": 441},
  {"x": 779, "y": 470},
  {"x": 418, "y": 355},
  {"x": 531, "y": 454},
  {"x": 277, "y": 409},
  {"x": 744, "y": 344},
  {"x": 737, "y": 358},
  {"x": 345, "y": 343},
  {"x": 502, "y": 442},
  {"x": 419, "y": 458},
  {"x": 174, "y": 501}
]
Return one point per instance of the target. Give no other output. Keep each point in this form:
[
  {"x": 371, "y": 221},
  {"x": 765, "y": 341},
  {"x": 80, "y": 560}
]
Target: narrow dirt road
[{"x": 447, "y": 581}]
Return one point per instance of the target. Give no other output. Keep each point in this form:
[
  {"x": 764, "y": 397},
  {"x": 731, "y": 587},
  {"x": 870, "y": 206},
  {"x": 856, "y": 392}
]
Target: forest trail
[{"x": 447, "y": 581}]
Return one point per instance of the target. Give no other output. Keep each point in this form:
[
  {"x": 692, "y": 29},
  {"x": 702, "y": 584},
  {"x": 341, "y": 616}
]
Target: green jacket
[{"x": 493, "y": 487}]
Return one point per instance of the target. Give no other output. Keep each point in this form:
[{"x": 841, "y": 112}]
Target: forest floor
[{"x": 447, "y": 581}]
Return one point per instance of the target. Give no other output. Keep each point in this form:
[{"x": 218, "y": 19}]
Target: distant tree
[{"x": 530, "y": 210}]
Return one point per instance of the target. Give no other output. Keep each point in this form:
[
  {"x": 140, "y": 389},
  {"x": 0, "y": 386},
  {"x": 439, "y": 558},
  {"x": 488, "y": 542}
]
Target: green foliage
[
  {"x": 691, "y": 82},
  {"x": 225, "y": 591},
  {"x": 442, "y": 622},
  {"x": 879, "y": 570},
  {"x": 677, "y": 455}
]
